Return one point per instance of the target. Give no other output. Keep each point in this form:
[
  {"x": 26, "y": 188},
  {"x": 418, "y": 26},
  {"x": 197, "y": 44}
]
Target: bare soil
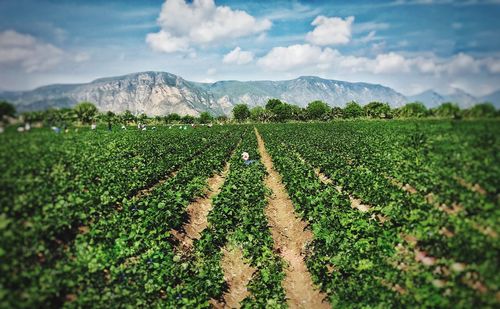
[
  {"x": 198, "y": 212},
  {"x": 237, "y": 274},
  {"x": 290, "y": 240}
]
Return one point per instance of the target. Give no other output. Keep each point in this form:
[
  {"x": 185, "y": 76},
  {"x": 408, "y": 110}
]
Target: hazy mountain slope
[
  {"x": 432, "y": 98},
  {"x": 303, "y": 90},
  {"x": 492, "y": 98},
  {"x": 160, "y": 93}
]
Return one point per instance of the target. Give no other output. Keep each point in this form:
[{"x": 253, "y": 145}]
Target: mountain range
[{"x": 160, "y": 93}]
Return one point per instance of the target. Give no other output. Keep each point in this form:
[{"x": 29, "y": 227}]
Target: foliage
[
  {"x": 241, "y": 112},
  {"x": 206, "y": 117},
  {"x": 272, "y": 103},
  {"x": 173, "y": 118},
  {"x": 377, "y": 110},
  {"x": 317, "y": 110},
  {"x": 412, "y": 110},
  {"x": 6, "y": 110},
  {"x": 74, "y": 232},
  {"x": 128, "y": 117},
  {"x": 188, "y": 119},
  {"x": 85, "y": 111},
  {"x": 352, "y": 110},
  {"x": 446, "y": 110},
  {"x": 484, "y": 110}
]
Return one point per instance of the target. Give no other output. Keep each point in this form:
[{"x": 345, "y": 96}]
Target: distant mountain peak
[{"x": 159, "y": 93}]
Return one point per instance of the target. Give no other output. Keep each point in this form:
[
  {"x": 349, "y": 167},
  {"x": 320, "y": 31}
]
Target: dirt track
[{"x": 290, "y": 239}]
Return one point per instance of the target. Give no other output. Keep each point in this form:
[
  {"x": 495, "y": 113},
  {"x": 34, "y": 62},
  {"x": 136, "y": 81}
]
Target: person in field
[{"x": 246, "y": 158}]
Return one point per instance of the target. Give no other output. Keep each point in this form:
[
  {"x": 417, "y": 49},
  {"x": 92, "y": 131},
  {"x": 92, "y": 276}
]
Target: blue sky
[{"x": 411, "y": 45}]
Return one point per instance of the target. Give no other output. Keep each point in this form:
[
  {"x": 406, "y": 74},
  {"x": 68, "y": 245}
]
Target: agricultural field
[{"x": 347, "y": 214}]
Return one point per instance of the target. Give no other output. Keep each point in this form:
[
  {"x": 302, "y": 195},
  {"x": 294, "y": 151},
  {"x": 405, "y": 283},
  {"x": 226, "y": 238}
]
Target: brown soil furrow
[
  {"x": 405, "y": 187},
  {"x": 237, "y": 275},
  {"x": 290, "y": 240},
  {"x": 147, "y": 191},
  {"x": 198, "y": 212},
  {"x": 355, "y": 202},
  {"x": 472, "y": 187}
]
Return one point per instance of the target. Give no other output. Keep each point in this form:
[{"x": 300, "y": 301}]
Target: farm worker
[
  {"x": 93, "y": 126},
  {"x": 109, "y": 126},
  {"x": 246, "y": 158}
]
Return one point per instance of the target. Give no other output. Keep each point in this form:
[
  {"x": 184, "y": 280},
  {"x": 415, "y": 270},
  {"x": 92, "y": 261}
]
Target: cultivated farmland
[{"x": 343, "y": 214}]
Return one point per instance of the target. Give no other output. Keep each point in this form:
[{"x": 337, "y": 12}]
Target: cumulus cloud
[
  {"x": 201, "y": 22},
  {"x": 330, "y": 31},
  {"x": 32, "y": 55},
  {"x": 297, "y": 56},
  {"x": 390, "y": 63},
  {"x": 238, "y": 56},
  {"x": 17, "y": 49},
  {"x": 306, "y": 56}
]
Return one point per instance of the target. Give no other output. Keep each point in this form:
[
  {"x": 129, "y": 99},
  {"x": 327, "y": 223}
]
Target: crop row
[
  {"x": 357, "y": 258},
  {"x": 94, "y": 175}
]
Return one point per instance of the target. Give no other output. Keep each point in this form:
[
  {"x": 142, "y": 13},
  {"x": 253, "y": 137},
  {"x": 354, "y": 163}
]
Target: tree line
[
  {"x": 87, "y": 113},
  {"x": 277, "y": 111}
]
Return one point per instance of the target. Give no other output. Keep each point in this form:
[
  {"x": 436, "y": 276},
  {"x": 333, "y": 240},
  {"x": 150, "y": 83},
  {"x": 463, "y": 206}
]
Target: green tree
[
  {"x": 128, "y": 117},
  {"x": 257, "y": 113},
  {"x": 6, "y": 110},
  {"x": 483, "y": 110},
  {"x": 298, "y": 113},
  {"x": 282, "y": 112},
  {"x": 316, "y": 110},
  {"x": 206, "y": 117},
  {"x": 32, "y": 116},
  {"x": 173, "y": 118},
  {"x": 188, "y": 119},
  {"x": 352, "y": 110},
  {"x": 53, "y": 117},
  {"x": 110, "y": 117},
  {"x": 377, "y": 110},
  {"x": 336, "y": 112},
  {"x": 412, "y": 110},
  {"x": 447, "y": 110},
  {"x": 272, "y": 103},
  {"x": 143, "y": 118},
  {"x": 222, "y": 118},
  {"x": 241, "y": 112},
  {"x": 85, "y": 111}
]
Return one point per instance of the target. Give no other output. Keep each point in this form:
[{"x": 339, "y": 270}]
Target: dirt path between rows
[
  {"x": 290, "y": 239},
  {"x": 237, "y": 274},
  {"x": 198, "y": 212}
]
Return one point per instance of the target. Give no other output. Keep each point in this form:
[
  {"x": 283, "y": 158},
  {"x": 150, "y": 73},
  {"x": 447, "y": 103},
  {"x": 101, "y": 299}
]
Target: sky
[{"x": 408, "y": 45}]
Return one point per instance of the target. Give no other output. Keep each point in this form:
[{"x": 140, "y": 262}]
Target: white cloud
[
  {"x": 201, "y": 22},
  {"x": 390, "y": 63},
  {"x": 492, "y": 65},
  {"x": 305, "y": 56},
  {"x": 461, "y": 63},
  {"x": 297, "y": 56},
  {"x": 330, "y": 31},
  {"x": 212, "y": 71},
  {"x": 26, "y": 51},
  {"x": 165, "y": 42},
  {"x": 238, "y": 56}
]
